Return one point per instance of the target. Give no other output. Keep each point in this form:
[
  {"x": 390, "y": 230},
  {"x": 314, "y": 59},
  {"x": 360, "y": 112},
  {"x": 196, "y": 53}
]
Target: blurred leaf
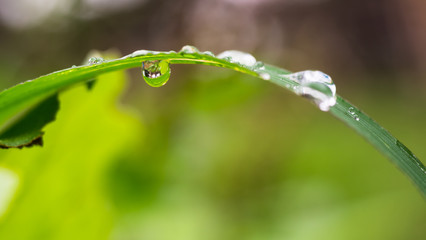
[
  {"x": 62, "y": 185},
  {"x": 27, "y": 131}
]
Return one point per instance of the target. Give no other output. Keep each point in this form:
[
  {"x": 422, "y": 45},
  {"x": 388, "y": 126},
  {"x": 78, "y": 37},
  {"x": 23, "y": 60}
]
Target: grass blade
[
  {"x": 18, "y": 99},
  {"x": 380, "y": 138}
]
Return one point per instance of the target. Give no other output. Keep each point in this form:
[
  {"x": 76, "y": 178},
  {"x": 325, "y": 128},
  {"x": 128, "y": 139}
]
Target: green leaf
[
  {"x": 61, "y": 185},
  {"x": 27, "y": 131}
]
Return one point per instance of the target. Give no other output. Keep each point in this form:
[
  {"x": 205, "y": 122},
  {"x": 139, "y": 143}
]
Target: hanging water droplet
[
  {"x": 156, "y": 73},
  {"x": 238, "y": 57},
  {"x": 189, "y": 49},
  {"x": 95, "y": 60},
  {"x": 316, "y": 86}
]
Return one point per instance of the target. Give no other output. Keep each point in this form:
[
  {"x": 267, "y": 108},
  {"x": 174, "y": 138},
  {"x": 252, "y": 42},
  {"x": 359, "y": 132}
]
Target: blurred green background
[{"x": 216, "y": 154}]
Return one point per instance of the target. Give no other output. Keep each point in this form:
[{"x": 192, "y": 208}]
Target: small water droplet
[
  {"x": 259, "y": 66},
  {"x": 316, "y": 86},
  {"x": 265, "y": 76},
  {"x": 74, "y": 66},
  {"x": 238, "y": 57},
  {"x": 139, "y": 53},
  {"x": 95, "y": 60},
  {"x": 189, "y": 49},
  {"x": 353, "y": 114},
  {"x": 156, "y": 73},
  {"x": 208, "y": 53}
]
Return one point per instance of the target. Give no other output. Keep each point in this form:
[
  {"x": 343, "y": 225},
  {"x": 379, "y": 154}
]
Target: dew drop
[
  {"x": 259, "y": 66},
  {"x": 316, "y": 86},
  {"x": 352, "y": 113},
  {"x": 265, "y": 76},
  {"x": 208, "y": 53},
  {"x": 95, "y": 60},
  {"x": 139, "y": 53},
  {"x": 189, "y": 49},
  {"x": 156, "y": 73},
  {"x": 238, "y": 57}
]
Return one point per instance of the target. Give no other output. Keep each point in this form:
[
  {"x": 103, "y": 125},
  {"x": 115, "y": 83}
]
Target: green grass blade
[
  {"x": 379, "y": 137},
  {"x": 17, "y": 100}
]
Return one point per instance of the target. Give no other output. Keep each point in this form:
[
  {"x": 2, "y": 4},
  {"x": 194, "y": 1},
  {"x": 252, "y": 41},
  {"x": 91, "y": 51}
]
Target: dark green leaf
[{"x": 27, "y": 131}]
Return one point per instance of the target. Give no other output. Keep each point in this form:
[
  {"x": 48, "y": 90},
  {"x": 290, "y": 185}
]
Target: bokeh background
[{"x": 216, "y": 154}]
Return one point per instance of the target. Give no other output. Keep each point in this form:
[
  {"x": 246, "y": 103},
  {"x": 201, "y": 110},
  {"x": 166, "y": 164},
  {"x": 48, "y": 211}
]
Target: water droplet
[
  {"x": 143, "y": 53},
  {"x": 238, "y": 57},
  {"x": 74, "y": 66},
  {"x": 265, "y": 76},
  {"x": 156, "y": 73},
  {"x": 353, "y": 114},
  {"x": 259, "y": 66},
  {"x": 316, "y": 86},
  {"x": 95, "y": 60},
  {"x": 139, "y": 53},
  {"x": 189, "y": 49},
  {"x": 208, "y": 53}
]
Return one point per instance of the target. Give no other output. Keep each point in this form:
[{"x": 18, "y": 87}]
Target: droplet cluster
[
  {"x": 316, "y": 86},
  {"x": 353, "y": 114}
]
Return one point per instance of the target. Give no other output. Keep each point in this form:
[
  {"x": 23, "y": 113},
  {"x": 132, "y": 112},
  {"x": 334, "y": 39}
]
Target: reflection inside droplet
[{"x": 156, "y": 73}]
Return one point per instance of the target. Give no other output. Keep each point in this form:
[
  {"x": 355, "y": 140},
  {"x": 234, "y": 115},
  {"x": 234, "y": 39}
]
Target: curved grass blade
[
  {"x": 379, "y": 137},
  {"x": 17, "y": 100}
]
